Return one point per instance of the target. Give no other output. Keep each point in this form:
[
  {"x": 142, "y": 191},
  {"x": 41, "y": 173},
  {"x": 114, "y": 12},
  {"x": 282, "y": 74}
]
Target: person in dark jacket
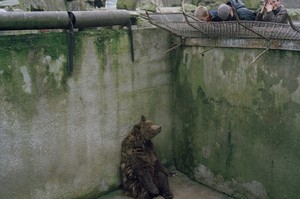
[
  {"x": 241, "y": 10},
  {"x": 224, "y": 13},
  {"x": 272, "y": 11}
]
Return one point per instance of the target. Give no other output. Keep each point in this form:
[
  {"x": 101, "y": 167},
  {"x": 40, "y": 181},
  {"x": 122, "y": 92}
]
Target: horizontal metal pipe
[
  {"x": 85, "y": 19},
  {"x": 61, "y": 19},
  {"x": 34, "y": 20}
]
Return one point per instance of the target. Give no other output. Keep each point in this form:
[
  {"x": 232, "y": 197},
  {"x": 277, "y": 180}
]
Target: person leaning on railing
[
  {"x": 223, "y": 13},
  {"x": 241, "y": 10},
  {"x": 272, "y": 11},
  {"x": 201, "y": 13}
]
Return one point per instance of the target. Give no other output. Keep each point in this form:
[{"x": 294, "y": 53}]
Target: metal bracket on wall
[
  {"x": 206, "y": 50},
  {"x": 129, "y": 26},
  {"x": 257, "y": 57},
  {"x": 70, "y": 33}
]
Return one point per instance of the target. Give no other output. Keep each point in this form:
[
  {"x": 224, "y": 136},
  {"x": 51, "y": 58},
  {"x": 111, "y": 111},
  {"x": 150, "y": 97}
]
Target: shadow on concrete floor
[{"x": 182, "y": 188}]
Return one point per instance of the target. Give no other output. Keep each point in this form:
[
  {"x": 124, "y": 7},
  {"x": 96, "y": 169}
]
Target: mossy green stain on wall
[
  {"x": 190, "y": 103},
  {"x": 188, "y": 112},
  {"x": 250, "y": 117},
  {"x": 21, "y": 59},
  {"x": 111, "y": 44},
  {"x": 111, "y": 41}
]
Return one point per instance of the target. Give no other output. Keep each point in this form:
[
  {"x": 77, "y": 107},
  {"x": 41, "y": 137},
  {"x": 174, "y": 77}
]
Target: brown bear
[{"x": 143, "y": 175}]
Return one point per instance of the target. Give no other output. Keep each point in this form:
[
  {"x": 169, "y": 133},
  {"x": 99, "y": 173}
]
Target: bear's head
[{"x": 146, "y": 128}]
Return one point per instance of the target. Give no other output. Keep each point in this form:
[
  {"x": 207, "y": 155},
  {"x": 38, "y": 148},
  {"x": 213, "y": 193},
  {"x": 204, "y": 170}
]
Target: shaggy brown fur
[{"x": 143, "y": 175}]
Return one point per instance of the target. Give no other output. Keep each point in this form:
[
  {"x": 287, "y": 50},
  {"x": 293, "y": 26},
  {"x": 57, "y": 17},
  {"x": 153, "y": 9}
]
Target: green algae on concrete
[
  {"x": 237, "y": 124},
  {"x": 108, "y": 41},
  {"x": 24, "y": 75}
]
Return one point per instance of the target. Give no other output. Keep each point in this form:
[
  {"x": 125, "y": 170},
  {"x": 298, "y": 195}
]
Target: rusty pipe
[
  {"x": 62, "y": 19},
  {"x": 86, "y": 19},
  {"x": 34, "y": 20}
]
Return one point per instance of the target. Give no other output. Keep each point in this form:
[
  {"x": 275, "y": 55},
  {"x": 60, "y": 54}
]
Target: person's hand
[
  {"x": 263, "y": 9},
  {"x": 269, "y": 7}
]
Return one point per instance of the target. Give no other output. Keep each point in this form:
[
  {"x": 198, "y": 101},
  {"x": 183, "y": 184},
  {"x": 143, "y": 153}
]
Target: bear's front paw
[
  {"x": 168, "y": 195},
  {"x": 154, "y": 191}
]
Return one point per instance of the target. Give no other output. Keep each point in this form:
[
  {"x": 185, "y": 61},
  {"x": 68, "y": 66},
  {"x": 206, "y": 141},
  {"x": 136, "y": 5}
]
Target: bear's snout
[{"x": 157, "y": 129}]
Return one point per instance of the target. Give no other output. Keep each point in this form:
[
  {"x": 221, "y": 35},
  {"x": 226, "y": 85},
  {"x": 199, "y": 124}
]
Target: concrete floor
[{"x": 182, "y": 188}]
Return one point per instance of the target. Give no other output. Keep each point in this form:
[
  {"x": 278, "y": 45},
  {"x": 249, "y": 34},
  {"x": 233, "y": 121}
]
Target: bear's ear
[
  {"x": 143, "y": 118},
  {"x": 137, "y": 127}
]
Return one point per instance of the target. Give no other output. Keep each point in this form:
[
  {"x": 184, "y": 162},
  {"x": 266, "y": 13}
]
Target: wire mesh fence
[{"x": 184, "y": 25}]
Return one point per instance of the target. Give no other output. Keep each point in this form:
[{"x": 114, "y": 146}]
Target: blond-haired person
[{"x": 201, "y": 13}]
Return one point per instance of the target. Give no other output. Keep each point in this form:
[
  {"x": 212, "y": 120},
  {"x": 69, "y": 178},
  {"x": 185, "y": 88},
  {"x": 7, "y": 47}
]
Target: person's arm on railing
[
  {"x": 280, "y": 17},
  {"x": 272, "y": 11},
  {"x": 259, "y": 16}
]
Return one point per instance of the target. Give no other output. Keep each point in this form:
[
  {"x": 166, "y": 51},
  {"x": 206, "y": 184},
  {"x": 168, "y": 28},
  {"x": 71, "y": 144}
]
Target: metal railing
[{"x": 187, "y": 26}]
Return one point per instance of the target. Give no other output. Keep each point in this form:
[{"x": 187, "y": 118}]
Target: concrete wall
[
  {"x": 237, "y": 123},
  {"x": 229, "y": 124},
  {"x": 60, "y": 136}
]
